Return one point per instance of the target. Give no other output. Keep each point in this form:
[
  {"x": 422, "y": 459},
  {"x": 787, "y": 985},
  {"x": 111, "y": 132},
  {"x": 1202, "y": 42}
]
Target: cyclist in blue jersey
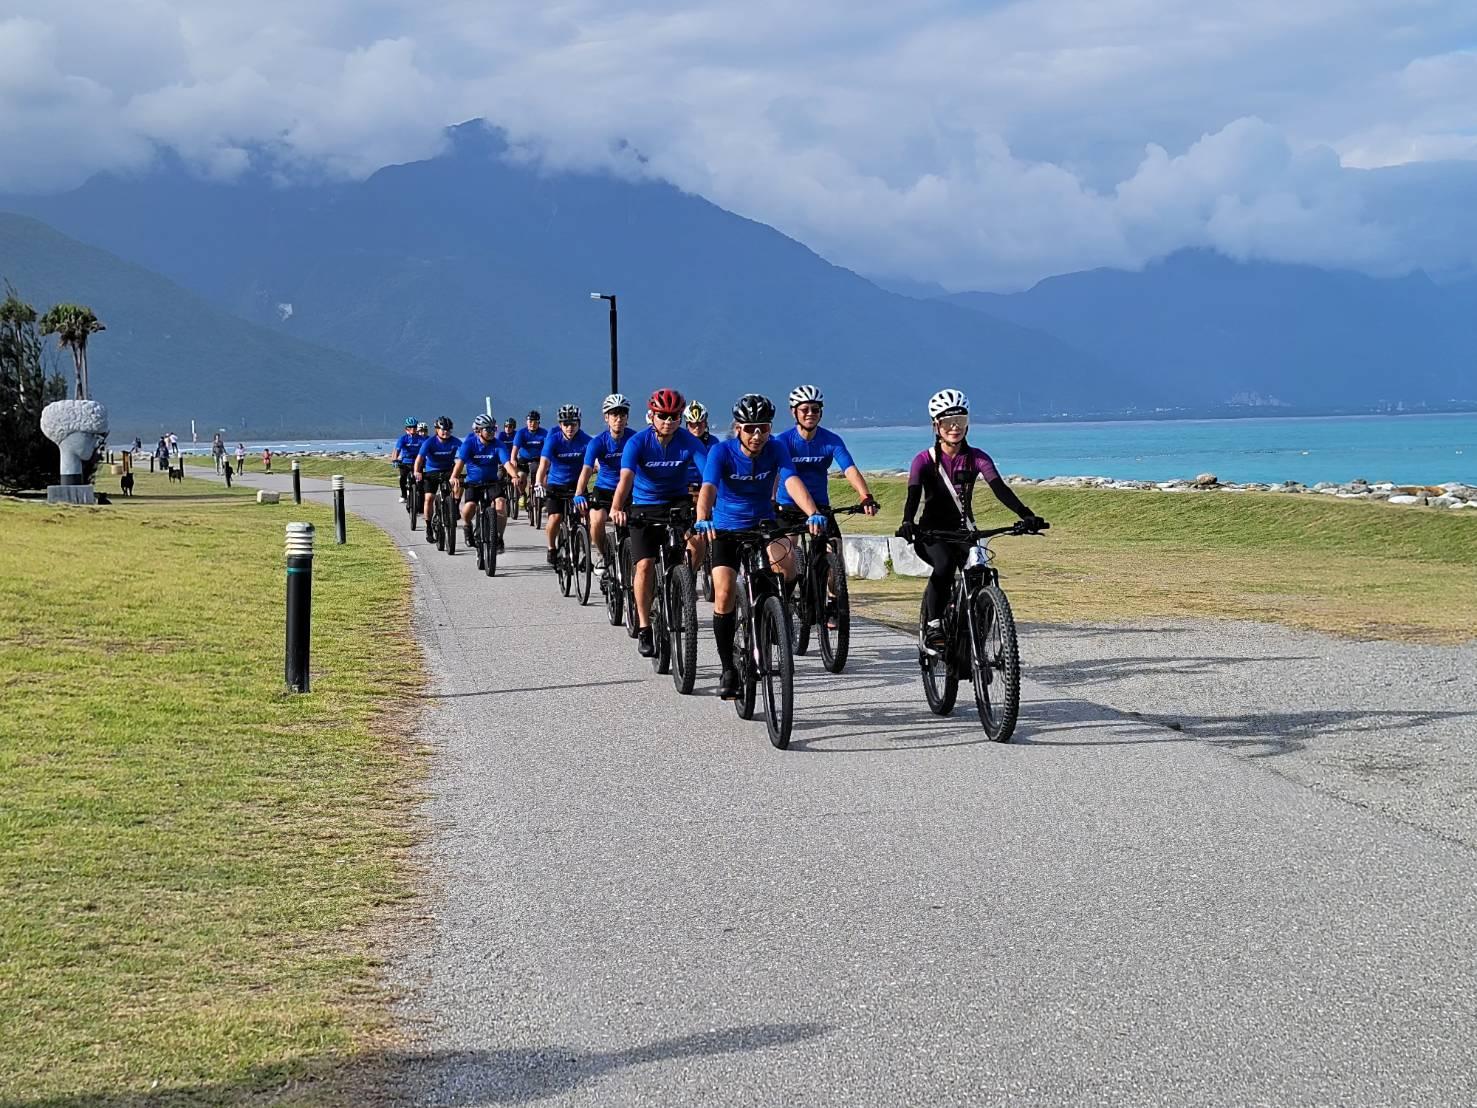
[
  {"x": 653, "y": 479},
  {"x": 479, "y": 467},
  {"x": 508, "y": 433},
  {"x": 815, "y": 450},
  {"x": 559, "y": 469},
  {"x": 407, "y": 446},
  {"x": 696, "y": 418},
  {"x": 739, "y": 480},
  {"x": 603, "y": 454},
  {"x": 435, "y": 462},
  {"x": 528, "y": 447}
]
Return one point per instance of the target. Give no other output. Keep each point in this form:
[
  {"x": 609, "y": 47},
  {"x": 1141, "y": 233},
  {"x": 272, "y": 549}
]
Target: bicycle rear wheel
[
  {"x": 683, "y": 618},
  {"x": 449, "y": 523},
  {"x": 799, "y": 604},
  {"x": 707, "y": 581},
  {"x": 413, "y": 505},
  {"x": 940, "y": 678},
  {"x": 535, "y": 511},
  {"x": 661, "y": 661},
  {"x": 777, "y": 671},
  {"x": 584, "y": 565},
  {"x": 835, "y": 605},
  {"x": 436, "y": 522},
  {"x": 995, "y": 662},
  {"x": 743, "y": 653}
]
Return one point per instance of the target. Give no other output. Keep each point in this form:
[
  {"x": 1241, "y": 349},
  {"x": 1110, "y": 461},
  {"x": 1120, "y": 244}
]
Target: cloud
[{"x": 976, "y": 144}]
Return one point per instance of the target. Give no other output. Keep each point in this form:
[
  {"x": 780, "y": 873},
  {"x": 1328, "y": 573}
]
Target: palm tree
[{"x": 73, "y": 325}]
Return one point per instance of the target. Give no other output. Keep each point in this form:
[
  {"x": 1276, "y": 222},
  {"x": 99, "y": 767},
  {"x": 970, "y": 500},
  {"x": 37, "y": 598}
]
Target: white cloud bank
[{"x": 982, "y": 145}]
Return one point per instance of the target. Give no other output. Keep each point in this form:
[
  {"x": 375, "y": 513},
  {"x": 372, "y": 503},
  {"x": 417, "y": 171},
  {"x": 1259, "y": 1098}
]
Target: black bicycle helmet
[
  {"x": 533, "y": 415},
  {"x": 753, "y": 408},
  {"x": 443, "y": 423}
]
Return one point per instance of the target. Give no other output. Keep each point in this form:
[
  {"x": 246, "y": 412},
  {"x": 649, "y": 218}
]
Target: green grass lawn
[
  {"x": 365, "y": 471},
  {"x": 193, "y": 861},
  {"x": 1346, "y": 567}
]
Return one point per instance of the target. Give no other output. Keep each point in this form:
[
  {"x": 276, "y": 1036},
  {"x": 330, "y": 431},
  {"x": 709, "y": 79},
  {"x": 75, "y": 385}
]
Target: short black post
[
  {"x": 297, "y": 483},
  {"x": 339, "y": 523},
  {"x": 151, "y": 463},
  {"x": 299, "y": 603}
]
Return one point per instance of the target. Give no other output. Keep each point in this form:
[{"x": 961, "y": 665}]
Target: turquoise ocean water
[{"x": 1409, "y": 449}]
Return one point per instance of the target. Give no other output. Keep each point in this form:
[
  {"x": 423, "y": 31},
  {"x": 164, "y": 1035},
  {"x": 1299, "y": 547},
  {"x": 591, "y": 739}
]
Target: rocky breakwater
[{"x": 1451, "y": 495}]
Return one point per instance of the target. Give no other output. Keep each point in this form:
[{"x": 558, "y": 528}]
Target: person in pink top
[
  {"x": 267, "y": 458},
  {"x": 942, "y": 479}
]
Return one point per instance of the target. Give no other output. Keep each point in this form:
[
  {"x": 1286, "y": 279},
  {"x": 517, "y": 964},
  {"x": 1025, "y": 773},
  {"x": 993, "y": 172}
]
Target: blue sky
[{"x": 982, "y": 145}]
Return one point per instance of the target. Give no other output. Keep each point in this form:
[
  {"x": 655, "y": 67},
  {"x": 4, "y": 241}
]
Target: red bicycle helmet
[{"x": 666, "y": 401}]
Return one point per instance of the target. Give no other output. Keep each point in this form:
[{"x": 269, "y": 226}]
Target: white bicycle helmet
[
  {"x": 805, "y": 394},
  {"x": 615, "y": 402},
  {"x": 569, "y": 413},
  {"x": 482, "y": 423},
  {"x": 696, "y": 412},
  {"x": 947, "y": 402}
]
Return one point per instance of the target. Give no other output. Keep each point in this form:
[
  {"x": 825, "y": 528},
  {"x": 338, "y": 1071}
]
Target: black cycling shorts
[
  {"x": 557, "y": 498},
  {"x": 725, "y": 549},
  {"x": 647, "y": 538},
  {"x": 492, "y": 489},
  {"x": 791, "y": 516},
  {"x": 431, "y": 480},
  {"x": 600, "y": 498}
]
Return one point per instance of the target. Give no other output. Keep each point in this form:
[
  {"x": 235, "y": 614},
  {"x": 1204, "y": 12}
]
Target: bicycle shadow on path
[{"x": 459, "y": 1078}]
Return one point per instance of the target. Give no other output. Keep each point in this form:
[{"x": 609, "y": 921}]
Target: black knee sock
[{"x": 723, "y": 628}]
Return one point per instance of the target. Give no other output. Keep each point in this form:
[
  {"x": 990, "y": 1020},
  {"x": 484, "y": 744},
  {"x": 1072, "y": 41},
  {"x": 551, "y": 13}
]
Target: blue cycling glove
[
  {"x": 817, "y": 520},
  {"x": 581, "y": 503},
  {"x": 703, "y": 527}
]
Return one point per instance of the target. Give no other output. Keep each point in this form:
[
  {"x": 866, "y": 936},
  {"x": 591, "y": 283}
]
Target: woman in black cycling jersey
[{"x": 943, "y": 479}]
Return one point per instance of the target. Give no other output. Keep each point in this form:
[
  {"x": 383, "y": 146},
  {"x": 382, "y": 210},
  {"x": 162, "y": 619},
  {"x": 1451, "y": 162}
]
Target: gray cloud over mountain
[{"x": 977, "y": 144}]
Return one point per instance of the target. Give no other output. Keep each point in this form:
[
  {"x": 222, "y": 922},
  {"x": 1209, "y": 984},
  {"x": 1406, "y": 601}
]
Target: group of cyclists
[{"x": 676, "y": 486}]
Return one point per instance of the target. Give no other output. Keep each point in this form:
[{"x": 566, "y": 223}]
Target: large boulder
[
  {"x": 905, "y": 561},
  {"x": 866, "y": 556},
  {"x": 1406, "y": 498},
  {"x": 1206, "y": 481}
]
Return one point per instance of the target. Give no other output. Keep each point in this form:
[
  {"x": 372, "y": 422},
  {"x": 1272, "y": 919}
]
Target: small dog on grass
[
  {"x": 125, "y": 483},
  {"x": 177, "y": 474}
]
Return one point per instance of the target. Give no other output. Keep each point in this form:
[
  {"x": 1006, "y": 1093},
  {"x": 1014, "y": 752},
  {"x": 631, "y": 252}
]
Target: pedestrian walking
[
  {"x": 267, "y": 458},
  {"x": 240, "y": 457}
]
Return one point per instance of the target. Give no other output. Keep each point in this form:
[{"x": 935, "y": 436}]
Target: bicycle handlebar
[{"x": 969, "y": 535}]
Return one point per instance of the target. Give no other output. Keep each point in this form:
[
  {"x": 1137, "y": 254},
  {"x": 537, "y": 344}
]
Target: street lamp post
[{"x": 614, "y": 363}]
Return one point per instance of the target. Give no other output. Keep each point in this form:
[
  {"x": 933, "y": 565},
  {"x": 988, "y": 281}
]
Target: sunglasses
[
  {"x": 954, "y": 423},
  {"x": 754, "y": 428},
  {"x": 808, "y": 409},
  {"x": 569, "y": 423},
  {"x": 667, "y": 417}
]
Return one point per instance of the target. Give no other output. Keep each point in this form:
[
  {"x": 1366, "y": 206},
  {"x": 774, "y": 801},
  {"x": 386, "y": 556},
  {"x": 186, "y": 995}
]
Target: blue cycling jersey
[
  {"x": 529, "y": 445},
  {"x": 566, "y": 456},
  {"x": 407, "y": 446},
  {"x": 745, "y": 485},
  {"x": 439, "y": 454},
  {"x": 604, "y": 451},
  {"x": 661, "y": 471},
  {"x": 694, "y": 471},
  {"x": 483, "y": 460},
  {"x": 813, "y": 458}
]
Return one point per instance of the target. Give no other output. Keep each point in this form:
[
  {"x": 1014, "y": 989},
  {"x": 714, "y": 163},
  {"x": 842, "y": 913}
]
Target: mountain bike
[
  {"x": 762, "y": 644},
  {"x": 407, "y": 486},
  {"x": 535, "y": 501},
  {"x": 484, "y": 525},
  {"x": 414, "y": 500},
  {"x": 613, "y": 574},
  {"x": 573, "y": 565},
  {"x": 446, "y": 516},
  {"x": 674, "y": 600},
  {"x": 979, "y": 637},
  {"x": 627, "y": 581},
  {"x": 820, "y": 596}
]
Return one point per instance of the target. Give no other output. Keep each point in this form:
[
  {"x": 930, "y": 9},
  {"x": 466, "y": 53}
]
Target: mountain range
[{"x": 339, "y": 306}]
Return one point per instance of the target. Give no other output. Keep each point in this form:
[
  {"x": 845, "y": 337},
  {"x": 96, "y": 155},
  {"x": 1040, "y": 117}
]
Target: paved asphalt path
[{"x": 633, "y": 899}]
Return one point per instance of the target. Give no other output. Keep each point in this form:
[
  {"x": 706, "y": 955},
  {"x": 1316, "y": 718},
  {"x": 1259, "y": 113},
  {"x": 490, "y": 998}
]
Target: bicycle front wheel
[
  {"x": 777, "y": 670},
  {"x": 745, "y": 655},
  {"x": 995, "y": 662},
  {"x": 683, "y": 618},
  {"x": 563, "y": 563},
  {"x": 489, "y": 541},
  {"x": 627, "y": 586},
  {"x": 449, "y": 523},
  {"x": 836, "y": 610},
  {"x": 584, "y": 566}
]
